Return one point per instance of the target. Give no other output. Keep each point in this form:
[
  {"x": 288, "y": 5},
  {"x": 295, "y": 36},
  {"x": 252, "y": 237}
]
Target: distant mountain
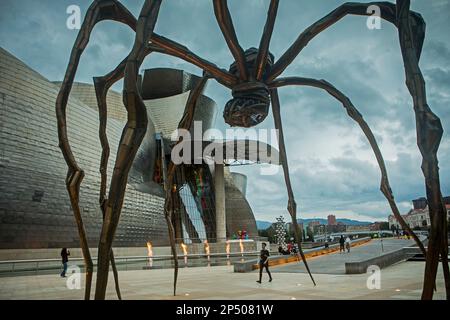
[
  {"x": 263, "y": 225},
  {"x": 350, "y": 222}
]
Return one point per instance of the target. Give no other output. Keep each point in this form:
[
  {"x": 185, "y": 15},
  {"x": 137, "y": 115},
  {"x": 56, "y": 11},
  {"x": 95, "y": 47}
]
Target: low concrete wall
[
  {"x": 313, "y": 245},
  {"x": 383, "y": 261},
  {"x": 250, "y": 265}
]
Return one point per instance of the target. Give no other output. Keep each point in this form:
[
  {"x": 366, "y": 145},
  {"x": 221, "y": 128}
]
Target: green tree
[
  {"x": 291, "y": 233},
  {"x": 268, "y": 233},
  {"x": 310, "y": 235},
  {"x": 263, "y": 233},
  {"x": 271, "y": 234},
  {"x": 384, "y": 226}
]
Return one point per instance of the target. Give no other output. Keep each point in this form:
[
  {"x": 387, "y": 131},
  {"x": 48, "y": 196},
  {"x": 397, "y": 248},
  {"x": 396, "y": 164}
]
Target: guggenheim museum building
[{"x": 35, "y": 210}]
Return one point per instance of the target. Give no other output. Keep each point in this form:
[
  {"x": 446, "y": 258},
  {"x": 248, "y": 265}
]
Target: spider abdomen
[
  {"x": 249, "y": 106},
  {"x": 251, "y": 100}
]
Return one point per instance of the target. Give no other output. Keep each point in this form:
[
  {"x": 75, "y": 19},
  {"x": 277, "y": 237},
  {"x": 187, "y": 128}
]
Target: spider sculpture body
[{"x": 253, "y": 79}]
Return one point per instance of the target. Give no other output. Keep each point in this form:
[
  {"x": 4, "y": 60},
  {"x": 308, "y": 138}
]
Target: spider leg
[
  {"x": 225, "y": 22},
  {"x": 98, "y": 11},
  {"x": 356, "y": 116},
  {"x": 388, "y": 13},
  {"x": 167, "y": 46},
  {"x": 185, "y": 123},
  {"x": 292, "y": 205},
  {"x": 263, "y": 51},
  {"x": 411, "y": 28},
  {"x": 133, "y": 133},
  {"x": 429, "y": 135},
  {"x": 115, "y": 274},
  {"x": 102, "y": 86}
]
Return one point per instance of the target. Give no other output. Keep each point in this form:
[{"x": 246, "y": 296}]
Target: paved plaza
[
  {"x": 401, "y": 281},
  {"x": 334, "y": 263}
]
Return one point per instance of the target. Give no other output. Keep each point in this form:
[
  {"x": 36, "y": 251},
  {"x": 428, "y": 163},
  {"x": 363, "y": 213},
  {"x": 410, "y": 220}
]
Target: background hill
[{"x": 262, "y": 225}]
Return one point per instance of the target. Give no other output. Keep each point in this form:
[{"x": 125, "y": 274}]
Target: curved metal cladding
[
  {"x": 165, "y": 93},
  {"x": 240, "y": 181},
  {"x": 35, "y": 210},
  {"x": 238, "y": 211},
  {"x": 85, "y": 93}
]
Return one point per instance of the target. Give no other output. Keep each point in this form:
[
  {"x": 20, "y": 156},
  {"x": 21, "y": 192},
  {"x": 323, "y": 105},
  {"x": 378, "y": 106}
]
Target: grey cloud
[
  {"x": 440, "y": 79},
  {"x": 437, "y": 53},
  {"x": 365, "y": 65}
]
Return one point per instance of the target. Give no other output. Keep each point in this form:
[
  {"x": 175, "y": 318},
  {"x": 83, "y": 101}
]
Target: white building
[{"x": 415, "y": 218}]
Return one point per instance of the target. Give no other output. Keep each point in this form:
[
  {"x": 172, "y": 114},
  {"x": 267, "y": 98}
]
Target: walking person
[
  {"x": 341, "y": 244},
  {"x": 348, "y": 243},
  {"x": 264, "y": 263},
  {"x": 65, "y": 258}
]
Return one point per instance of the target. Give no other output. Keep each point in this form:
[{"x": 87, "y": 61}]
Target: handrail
[
  {"x": 156, "y": 257},
  {"x": 215, "y": 240}
]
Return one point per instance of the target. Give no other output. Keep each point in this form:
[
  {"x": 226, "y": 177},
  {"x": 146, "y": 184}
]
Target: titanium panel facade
[{"x": 35, "y": 210}]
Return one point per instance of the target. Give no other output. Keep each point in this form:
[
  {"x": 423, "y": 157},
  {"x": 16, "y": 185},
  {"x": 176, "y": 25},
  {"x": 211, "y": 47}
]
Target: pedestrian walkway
[
  {"x": 335, "y": 263},
  {"x": 401, "y": 281}
]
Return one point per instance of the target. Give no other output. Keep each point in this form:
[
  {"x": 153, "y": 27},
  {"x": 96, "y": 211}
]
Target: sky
[{"x": 333, "y": 169}]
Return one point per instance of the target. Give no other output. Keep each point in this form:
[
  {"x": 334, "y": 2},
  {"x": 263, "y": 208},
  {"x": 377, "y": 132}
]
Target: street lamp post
[{"x": 381, "y": 239}]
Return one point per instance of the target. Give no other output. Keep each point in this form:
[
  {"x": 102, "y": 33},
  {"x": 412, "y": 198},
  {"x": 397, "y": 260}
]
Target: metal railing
[
  {"x": 219, "y": 240},
  {"x": 45, "y": 266}
]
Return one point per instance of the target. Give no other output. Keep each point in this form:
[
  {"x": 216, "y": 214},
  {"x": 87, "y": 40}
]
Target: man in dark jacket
[
  {"x": 264, "y": 263},
  {"x": 65, "y": 258}
]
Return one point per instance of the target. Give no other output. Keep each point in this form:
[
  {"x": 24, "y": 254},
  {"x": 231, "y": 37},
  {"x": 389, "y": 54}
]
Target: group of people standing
[
  {"x": 401, "y": 234},
  {"x": 291, "y": 249},
  {"x": 344, "y": 244}
]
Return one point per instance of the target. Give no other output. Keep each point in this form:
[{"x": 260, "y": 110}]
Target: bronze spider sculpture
[{"x": 253, "y": 79}]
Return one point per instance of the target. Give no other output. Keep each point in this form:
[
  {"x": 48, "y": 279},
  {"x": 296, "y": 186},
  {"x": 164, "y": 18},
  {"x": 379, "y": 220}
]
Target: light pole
[{"x": 381, "y": 239}]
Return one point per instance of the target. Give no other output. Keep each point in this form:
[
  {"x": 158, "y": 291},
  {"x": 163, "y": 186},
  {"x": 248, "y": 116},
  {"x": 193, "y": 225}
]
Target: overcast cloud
[{"x": 332, "y": 167}]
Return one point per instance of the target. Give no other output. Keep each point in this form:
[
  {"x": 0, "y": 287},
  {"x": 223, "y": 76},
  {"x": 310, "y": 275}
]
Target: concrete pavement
[
  {"x": 401, "y": 281},
  {"x": 335, "y": 263}
]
